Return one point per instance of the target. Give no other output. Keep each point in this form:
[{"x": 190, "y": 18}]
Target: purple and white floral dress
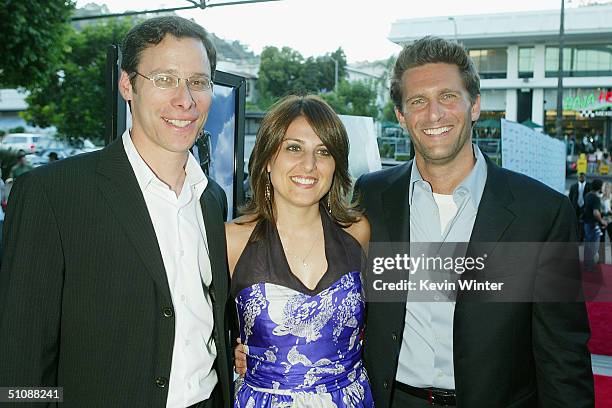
[{"x": 303, "y": 346}]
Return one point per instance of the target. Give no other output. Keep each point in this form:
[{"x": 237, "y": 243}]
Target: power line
[{"x": 201, "y": 5}]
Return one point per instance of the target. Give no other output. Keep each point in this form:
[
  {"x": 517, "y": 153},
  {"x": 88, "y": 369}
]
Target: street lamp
[
  {"x": 455, "y": 26},
  {"x": 559, "y": 118}
]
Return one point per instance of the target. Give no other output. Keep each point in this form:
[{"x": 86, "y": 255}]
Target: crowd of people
[
  {"x": 121, "y": 283},
  {"x": 592, "y": 205}
]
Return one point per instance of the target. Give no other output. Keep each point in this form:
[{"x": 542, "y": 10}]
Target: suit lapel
[
  {"x": 120, "y": 188},
  {"x": 212, "y": 213},
  {"x": 395, "y": 206},
  {"x": 215, "y": 235},
  {"x": 492, "y": 220},
  {"x": 494, "y": 214},
  {"x": 396, "y": 211}
]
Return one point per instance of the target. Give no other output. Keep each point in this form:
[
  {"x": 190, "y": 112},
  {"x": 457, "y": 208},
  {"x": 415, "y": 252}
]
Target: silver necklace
[{"x": 302, "y": 261}]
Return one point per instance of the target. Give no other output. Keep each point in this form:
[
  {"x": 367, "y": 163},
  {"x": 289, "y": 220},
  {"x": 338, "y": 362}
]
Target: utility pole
[
  {"x": 336, "y": 74},
  {"x": 559, "y": 119},
  {"x": 455, "y": 27}
]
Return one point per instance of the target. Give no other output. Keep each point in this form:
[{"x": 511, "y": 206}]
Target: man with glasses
[{"x": 114, "y": 281}]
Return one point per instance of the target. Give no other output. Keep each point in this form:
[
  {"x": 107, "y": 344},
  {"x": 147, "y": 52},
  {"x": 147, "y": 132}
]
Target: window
[
  {"x": 526, "y": 61},
  {"x": 580, "y": 60},
  {"x": 490, "y": 63}
]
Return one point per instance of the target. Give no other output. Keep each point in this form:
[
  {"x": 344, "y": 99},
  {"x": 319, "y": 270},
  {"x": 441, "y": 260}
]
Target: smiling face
[
  {"x": 438, "y": 113},
  {"x": 168, "y": 120},
  {"x": 302, "y": 170}
]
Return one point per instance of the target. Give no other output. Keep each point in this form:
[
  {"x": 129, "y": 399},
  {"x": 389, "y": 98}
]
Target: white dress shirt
[
  {"x": 181, "y": 235},
  {"x": 426, "y": 353}
]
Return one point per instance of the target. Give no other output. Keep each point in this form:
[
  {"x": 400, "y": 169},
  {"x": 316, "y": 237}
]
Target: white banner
[
  {"x": 363, "y": 155},
  {"x": 534, "y": 154}
]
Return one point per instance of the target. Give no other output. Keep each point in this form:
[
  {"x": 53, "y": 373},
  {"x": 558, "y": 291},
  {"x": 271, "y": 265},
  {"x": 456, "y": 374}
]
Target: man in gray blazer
[{"x": 114, "y": 281}]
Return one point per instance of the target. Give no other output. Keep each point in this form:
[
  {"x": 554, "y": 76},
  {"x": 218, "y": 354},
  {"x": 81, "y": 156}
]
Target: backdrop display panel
[
  {"x": 364, "y": 156},
  {"x": 225, "y": 124},
  {"x": 534, "y": 154}
]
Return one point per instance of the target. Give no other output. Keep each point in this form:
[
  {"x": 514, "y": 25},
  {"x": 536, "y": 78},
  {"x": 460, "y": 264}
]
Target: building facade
[
  {"x": 517, "y": 56},
  {"x": 11, "y": 103}
]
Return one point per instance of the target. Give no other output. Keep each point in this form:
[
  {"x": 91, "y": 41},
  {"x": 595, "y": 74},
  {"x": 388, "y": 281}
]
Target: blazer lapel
[
  {"x": 494, "y": 214},
  {"x": 120, "y": 188},
  {"x": 493, "y": 219},
  {"x": 396, "y": 211},
  {"x": 215, "y": 235},
  {"x": 396, "y": 206}
]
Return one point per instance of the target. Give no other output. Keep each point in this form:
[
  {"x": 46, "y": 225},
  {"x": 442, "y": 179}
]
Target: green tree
[
  {"x": 388, "y": 112},
  {"x": 353, "y": 98},
  {"x": 327, "y": 68},
  {"x": 32, "y": 43},
  {"x": 311, "y": 76},
  {"x": 73, "y": 98},
  {"x": 285, "y": 71},
  {"x": 279, "y": 73}
]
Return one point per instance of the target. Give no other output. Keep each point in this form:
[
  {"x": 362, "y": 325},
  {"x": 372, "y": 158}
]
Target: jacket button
[
  {"x": 168, "y": 312},
  {"x": 394, "y": 336},
  {"x": 385, "y": 385},
  {"x": 161, "y": 382}
]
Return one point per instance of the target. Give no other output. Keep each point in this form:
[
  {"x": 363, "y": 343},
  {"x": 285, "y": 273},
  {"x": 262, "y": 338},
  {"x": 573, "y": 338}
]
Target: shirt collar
[
  {"x": 474, "y": 183},
  {"x": 194, "y": 175}
]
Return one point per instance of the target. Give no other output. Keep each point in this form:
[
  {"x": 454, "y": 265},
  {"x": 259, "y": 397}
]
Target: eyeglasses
[{"x": 169, "y": 81}]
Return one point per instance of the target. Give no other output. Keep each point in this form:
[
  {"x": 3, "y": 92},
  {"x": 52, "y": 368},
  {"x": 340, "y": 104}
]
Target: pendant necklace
[{"x": 302, "y": 261}]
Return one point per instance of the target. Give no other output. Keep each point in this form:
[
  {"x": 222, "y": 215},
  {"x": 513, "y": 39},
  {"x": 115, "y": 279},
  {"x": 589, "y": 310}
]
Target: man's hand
[{"x": 240, "y": 363}]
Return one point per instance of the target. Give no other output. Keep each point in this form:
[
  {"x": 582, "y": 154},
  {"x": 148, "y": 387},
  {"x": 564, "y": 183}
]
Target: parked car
[
  {"x": 42, "y": 157},
  {"x": 86, "y": 146},
  {"x": 28, "y": 142}
]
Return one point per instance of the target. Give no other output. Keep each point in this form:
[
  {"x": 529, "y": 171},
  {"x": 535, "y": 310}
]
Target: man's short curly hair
[{"x": 432, "y": 50}]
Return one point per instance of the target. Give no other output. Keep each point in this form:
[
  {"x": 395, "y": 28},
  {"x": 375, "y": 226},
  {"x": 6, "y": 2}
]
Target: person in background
[
  {"x": 593, "y": 224},
  {"x": 598, "y": 155},
  {"x": 592, "y": 162},
  {"x": 577, "y": 193},
  {"x": 53, "y": 157},
  {"x": 606, "y": 198},
  {"x": 21, "y": 167}
]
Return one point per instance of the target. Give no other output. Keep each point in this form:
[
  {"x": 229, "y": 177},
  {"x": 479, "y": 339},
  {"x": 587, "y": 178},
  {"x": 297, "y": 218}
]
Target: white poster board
[
  {"x": 534, "y": 154},
  {"x": 363, "y": 156}
]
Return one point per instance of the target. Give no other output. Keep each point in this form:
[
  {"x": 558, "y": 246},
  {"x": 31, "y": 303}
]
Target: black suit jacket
[
  {"x": 505, "y": 354},
  {"x": 573, "y": 194},
  {"x": 84, "y": 297}
]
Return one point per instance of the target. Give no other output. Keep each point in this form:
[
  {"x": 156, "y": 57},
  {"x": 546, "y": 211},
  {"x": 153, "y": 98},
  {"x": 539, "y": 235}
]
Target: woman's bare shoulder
[
  {"x": 360, "y": 230},
  {"x": 237, "y": 233},
  {"x": 241, "y": 225}
]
